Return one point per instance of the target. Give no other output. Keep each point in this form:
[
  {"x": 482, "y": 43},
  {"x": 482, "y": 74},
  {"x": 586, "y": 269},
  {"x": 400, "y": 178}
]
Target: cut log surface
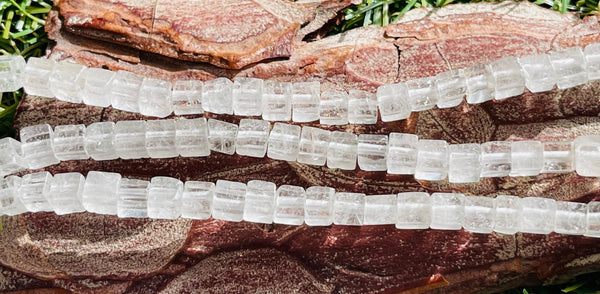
[{"x": 266, "y": 39}]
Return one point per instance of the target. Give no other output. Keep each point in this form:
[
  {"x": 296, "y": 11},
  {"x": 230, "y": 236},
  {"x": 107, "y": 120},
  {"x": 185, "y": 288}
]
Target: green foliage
[{"x": 582, "y": 284}]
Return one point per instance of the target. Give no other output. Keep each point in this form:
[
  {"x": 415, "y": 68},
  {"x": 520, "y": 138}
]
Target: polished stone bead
[
  {"x": 11, "y": 67},
  {"x": 277, "y": 101},
  {"x": 34, "y": 191},
  {"x": 587, "y": 155},
  {"x": 164, "y": 198},
  {"x": 186, "y": 97},
  {"x": 342, "y": 151},
  {"x": 372, "y": 150},
  {"x": 64, "y": 81},
  {"x": 479, "y": 214},
  {"x": 247, "y": 96},
  {"x": 155, "y": 98},
  {"x": 447, "y": 211},
  {"x": 69, "y": 142},
  {"x": 259, "y": 206},
  {"x": 217, "y": 96},
  {"x": 570, "y": 218},
  {"x": 507, "y": 218},
  {"x": 132, "y": 198},
  {"x": 10, "y": 203},
  {"x": 592, "y": 220},
  {"x": 36, "y": 76},
  {"x": 124, "y": 91},
  {"x": 464, "y": 163},
  {"x": 283, "y": 142},
  {"x": 94, "y": 83},
  {"x": 402, "y": 154},
  {"x": 538, "y": 215},
  {"x": 252, "y": 137},
  {"x": 538, "y": 72},
  {"x": 527, "y": 158},
  {"x": 306, "y": 97},
  {"x": 65, "y": 193},
  {"x": 333, "y": 109},
  {"x": 432, "y": 160},
  {"x": 221, "y": 136},
  {"x": 160, "y": 138},
  {"x": 197, "y": 199},
  {"x": 422, "y": 93},
  {"x": 480, "y": 83},
  {"x": 36, "y": 143},
  {"x": 289, "y": 207},
  {"x": 381, "y": 209},
  {"x": 191, "y": 137},
  {"x": 559, "y": 157},
  {"x": 100, "y": 192},
  {"x": 393, "y": 102},
  {"x": 592, "y": 61},
  {"x": 414, "y": 210},
  {"x": 349, "y": 209},
  {"x": 570, "y": 68},
  {"x": 11, "y": 156},
  {"x": 452, "y": 88},
  {"x": 314, "y": 143},
  {"x": 495, "y": 159},
  {"x": 362, "y": 107},
  {"x": 228, "y": 202},
  {"x": 318, "y": 207},
  {"x": 100, "y": 140},
  {"x": 508, "y": 79},
  {"x": 130, "y": 139}
]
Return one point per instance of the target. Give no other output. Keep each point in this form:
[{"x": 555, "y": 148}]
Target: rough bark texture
[{"x": 92, "y": 253}]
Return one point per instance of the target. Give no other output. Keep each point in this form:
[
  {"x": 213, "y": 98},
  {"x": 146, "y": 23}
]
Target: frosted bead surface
[
  {"x": 130, "y": 139},
  {"x": 507, "y": 219},
  {"x": 402, "y": 154},
  {"x": 197, "y": 199},
  {"x": 100, "y": 140},
  {"x": 362, "y": 107},
  {"x": 343, "y": 150},
  {"x": 64, "y": 81},
  {"x": 592, "y": 223},
  {"x": 570, "y": 218},
  {"x": 69, "y": 142},
  {"x": 260, "y": 202},
  {"x": 479, "y": 214},
  {"x": 191, "y": 137},
  {"x": 283, "y": 142},
  {"x": 432, "y": 160},
  {"x": 228, "y": 202},
  {"x": 527, "y": 158},
  {"x": 570, "y": 68},
  {"x": 414, "y": 210},
  {"x": 422, "y": 93},
  {"x": 34, "y": 191},
  {"x": 538, "y": 215},
  {"x": 277, "y": 101},
  {"x": 587, "y": 155},
  {"x": 160, "y": 138},
  {"x": 164, "y": 198},
  {"x": 314, "y": 143},
  {"x": 451, "y": 87},
  {"x": 132, "y": 199},
  {"x": 36, "y": 76},
  {"x": 11, "y": 67},
  {"x": 349, "y": 209},
  {"x": 508, "y": 79},
  {"x": 480, "y": 83},
  {"x": 592, "y": 60},
  {"x": 495, "y": 159},
  {"x": 100, "y": 192},
  {"x": 186, "y": 97},
  {"x": 318, "y": 207},
  {"x": 333, "y": 109},
  {"x": 558, "y": 157},
  {"x": 124, "y": 91},
  {"x": 393, "y": 102},
  {"x": 155, "y": 98},
  {"x": 10, "y": 203},
  {"x": 247, "y": 96},
  {"x": 252, "y": 137},
  {"x": 380, "y": 209},
  {"x": 372, "y": 150},
  {"x": 36, "y": 142},
  {"x": 447, "y": 211},
  {"x": 305, "y": 101},
  {"x": 221, "y": 136},
  {"x": 65, "y": 193},
  {"x": 289, "y": 208},
  {"x": 464, "y": 163},
  {"x": 11, "y": 156},
  {"x": 94, "y": 83},
  {"x": 538, "y": 72},
  {"x": 217, "y": 96}
]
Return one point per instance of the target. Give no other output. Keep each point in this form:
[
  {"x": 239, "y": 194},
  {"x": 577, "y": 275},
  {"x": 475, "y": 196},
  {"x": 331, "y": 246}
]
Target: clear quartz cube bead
[
  {"x": 221, "y": 136},
  {"x": 164, "y": 198},
  {"x": 94, "y": 83},
  {"x": 155, "y": 98},
  {"x": 252, "y": 137},
  {"x": 318, "y": 206},
  {"x": 132, "y": 198},
  {"x": 422, "y": 93},
  {"x": 160, "y": 138},
  {"x": 130, "y": 139},
  {"x": 538, "y": 72},
  {"x": 372, "y": 151},
  {"x": 362, "y": 107},
  {"x": 10, "y": 202},
  {"x": 558, "y": 157},
  {"x": 333, "y": 109},
  {"x": 507, "y": 218},
  {"x": 342, "y": 151},
  {"x": 100, "y": 192},
  {"x": 447, "y": 211},
  {"x": 64, "y": 81},
  {"x": 186, "y": 97},
  {"x": 538, "y": 215},
  {"x": 228, "y": 201},
  {"x": 289, "y": 205},
  {"x": 11, "y": 67},
  {"x": 402, "y": 154},
  {"x": 36, "y": 143},
  {"x": 592, "y": 220},
  {"x": 36, "y": 76},
  {"x": 480, "y": 83},
  {"x": 259, "y": 206},
  {"x": 508, "y": 79},
  {"x": 124, "y": 91},
  {"x": 100, "y": 140},
  {"x": 34, "y": 191},
  {"x": 432, "y": 160},
  {"x": 247, "y": 96},
  {"x": 592, "y": 60},
  {"x": 381, "y": 209},
  {"x": 197, "y": 199},
  {"x": 349, "y": 209},
  {"x": 413, "y": 210},
  {"x": 283, "y": 142},
  {"x": 464, "y": 163},
  {"x": 570, "y": 218},
  {"x": 305, "y": 101},
  {"x": 393, "y": 102},
  {"x": 526, "y": 158},
  {"x": 277, "y": 101},
  {"x": 191, "y": 137},
  {"x": 69, "y": 142},
  {"x": 495, "y": 159},
  {"x": 314, "y": 143},
  {"x": 11, "y": 156},
  {"x": 217, "y": 96},
  {"x": 451, "y": 87},
  {"x": 65, "y": 193},
  {"x": 587, "y": 155},
  {"x": 569, "y": 65},
  {"x": 479, "y": 214}
]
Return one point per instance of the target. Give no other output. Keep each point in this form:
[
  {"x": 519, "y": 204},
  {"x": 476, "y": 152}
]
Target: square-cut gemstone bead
[
  {"x": 464, "y": 163},
  {"x": 160, "y": 138},
  {"x": 228, "y": 202},
  {"x": 197, "y": 199},
  {"x": 507, "y": 219},
  {"x": 447, "y": 211},
  {"x": 69, "y": 142},
  {"x": 221, "y": 136},
  {"x": 558, "y": 157},
  {"x": 100, "y": 140},
  {"x": 318, "y": 207},
  {"x": 570, "y": 68},
  {"x": 10, "y": 202},
  {"x": 11, "y": 67},
  {"x": 36, "y": 142},
  {"x": 381, "y": 209},
  {"x": 155, "y": 98},
  {"x": 333, "y": 109},
  {"x": 252, "y": 137},
  {"x": 422, "y": 93},
  {"x": 94, "y": 83},
  {"x": 11, "y": 156},
  {"x": 65, "y": 193},
  {"x": 130, "y": 139},
  {"x": 372, "y": 150},
  {"x": 64, "y": 81},
  {"x": 34, "y": 191},
  {"x": 260, "y": 202},
  {"x": 592, "y": 220},
  {"x": 191, "y": 137},
  {"x": 393, "y": 102},
  {"x": 247, "y": 96},
  {"x": 36, "y": 76},
  {"x": 124, "y": 91},
  {"x": 100, "y": 192},
  {"x": 538, "y": 72},
  {"x": 277, "y": 101},
  {"x": 452, "y": 88},
  {"x": 217, "y": 96},
  {"x": 186, "y": 97},
  {"x": 527, "y": 158},
  {"x": 592, "y": 60},
  {"x": 343, "y": 150},
  {"x": 164, "y": 198},
  {"x": 587, "y": 155},
  {"x": 570, "y": 218},
  {"x": 132, "y": 198},
  {"x": 306, "y": 97},
  {"x": 349, "y": 209},
  {"x": 538, "y": 215},
  {"x": 414, "y": 210},
  {"x": 479, "y": 214},
  {"x": 508, "y": 79},
  {"x": 362, "y": 107},
  {"x": 314, "y": 143},
  {"x": 402, "y": 154},
  {"x": 495, "y": 159},
  {"x": 283, "y": 142},
  {"x": 289, "y": 207},
  {"x": 432, "y": 160},
  {"x": 480, "y": 83}
]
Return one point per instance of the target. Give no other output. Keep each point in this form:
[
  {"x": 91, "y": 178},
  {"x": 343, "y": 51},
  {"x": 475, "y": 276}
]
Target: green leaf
[{"x": 572, "y": 288}]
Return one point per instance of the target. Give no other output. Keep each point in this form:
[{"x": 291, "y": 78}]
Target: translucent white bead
[
  {"x": 289, "y": 207},
  {"x": 538, "y": 215},
  {"x": 186, "y": 97},
  {"x": 247, "y": 96},
  {"x": 124, "y": 91},
  {"x": 10, "y": 203},
  {"x": 452, "y": 88},
  {"x": 164, "y": 198},
  {"x": 217, "y": 96},
  {"x": 305, "y": 101},
  {"x": 479, "y": 214},
  {"x": 259, "y": 205},
  {"x": 432, "y": 160},
  {"x": 11, "y": 156},
  {"x": 314, "y": 143},
  {"x": 507, "y": 219},
  {"x": 414, "y": 211},
  {"x": 191, "y": 137},
  {"x": 130, "y": 139},
  {"x": 570, "y": 68},
  {"x": 11, "y": 67},
  {"x": 558, "y": 157},
  {"x": 34, "y": 191},
  {"x": 197, "y": 199},
  {"x": 36, "y": 142},
  {"x": 587, "y": 155},
  {"x": 155, "y": 98},
  {"x": 252, "y": 137},
  {"x": 372, "y": 150},
  {"x": 277, "y": 101},
  {"x": 508, "y": 79},
  {"x": 228, "y": 202},
  {"x": 342, "y": 151},
  {"x": 95, "y": 84},
  {"x": 69, "y": 142},
  {"x": 221, "y": 136},
  {"x": 393, "y": 102},
  {"x": 333, "y": 109},
  {"x": 318, "y": 207},
  {"x": 132, "y": 198},
  {"x": 100, "y": 140},
  {"x": 381, "y": 209},
  {"x": 592, "y": 60},
  {"x": 64, "y": 81},
  {"x": 160, "y": 138},
  {"x": 570, "y": 218},
  {"x": 495, "y": 159},
  {"x": 527, "y": 158},
  {"x": 36, "y": 76},
  {"x": 422, "y": 93},
  {"x": 362, "y": 107},
  {"x": 592, "y": 220},
  {"x": 402, "y": 154},
  {"x": 464, "y": 163},
  {"x": 538, "y": 72},
  {"x": 480, "y": 83},
  {"x": 100, "y": 192},
  {"x": 447, "y": 211},
  {"x": 283, "y": 142},
  {"x": 349, "y": 209},
  {"x": 65, "y": 193}
]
